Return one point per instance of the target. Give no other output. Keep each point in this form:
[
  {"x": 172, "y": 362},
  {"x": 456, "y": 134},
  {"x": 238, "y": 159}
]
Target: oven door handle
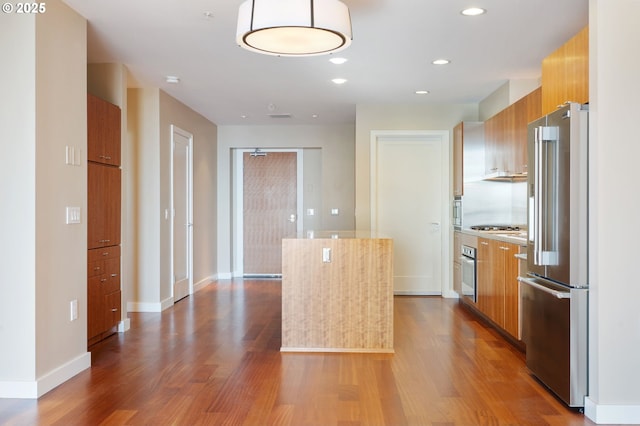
[{"x": 465, "y": 259}]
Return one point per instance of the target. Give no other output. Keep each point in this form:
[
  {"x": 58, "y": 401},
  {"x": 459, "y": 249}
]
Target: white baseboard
[
  {"x": 225, "y": 276},
  {"x": 124, "y": 325},
  {"x": 450, "y": 294},
  {"x": 35, "y": 389},
  {"x": 203, "y": 283},
  {"x": 150, "y": 307},
  {"x": 612, "y": 414}
]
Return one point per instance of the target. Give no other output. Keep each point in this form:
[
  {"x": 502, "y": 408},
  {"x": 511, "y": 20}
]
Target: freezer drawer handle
[{"x": 558, "y": 294}]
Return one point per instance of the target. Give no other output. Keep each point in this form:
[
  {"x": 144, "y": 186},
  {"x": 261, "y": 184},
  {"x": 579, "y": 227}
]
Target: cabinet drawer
[
  {"x": 103, "y": 253},
  {"x": 95, "y": 268}
]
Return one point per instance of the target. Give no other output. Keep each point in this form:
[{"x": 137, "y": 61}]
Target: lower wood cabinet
[
  {"x": 498, "y": 296},
  {"x": 103, "y": 293}
]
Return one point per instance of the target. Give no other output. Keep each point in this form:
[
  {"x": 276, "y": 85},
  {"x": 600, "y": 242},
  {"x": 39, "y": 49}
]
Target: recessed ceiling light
[
  {"x": 172, "y": 79},
  {"x": 441, "y": 62},
  {"x": 339, "y": 80},
  {"x": 422, "y": 92},
  {"x": 243, "y": 116},
  {"x": 207, "y": 14},
  {"x": 314, "y": 116},
  {"x": 338, "y": 61},
  {"x": 473, "y": 11}
]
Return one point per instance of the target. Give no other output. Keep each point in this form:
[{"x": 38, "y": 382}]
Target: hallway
[{"x": 213, "y": 359}]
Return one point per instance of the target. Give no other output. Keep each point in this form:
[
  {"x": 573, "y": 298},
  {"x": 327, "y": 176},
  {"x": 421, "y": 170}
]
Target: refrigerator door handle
[
  {"x": 558, "y": 294},
  {"x": 546, "y": 196}
]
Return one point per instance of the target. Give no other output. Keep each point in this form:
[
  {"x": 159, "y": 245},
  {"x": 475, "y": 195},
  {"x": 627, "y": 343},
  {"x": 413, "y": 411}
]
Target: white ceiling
[{"x": 394, "y": 42}]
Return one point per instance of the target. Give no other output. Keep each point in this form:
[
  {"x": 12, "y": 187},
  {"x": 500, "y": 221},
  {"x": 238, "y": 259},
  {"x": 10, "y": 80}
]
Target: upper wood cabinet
[
  {"x": 103, "y": 131},
  {"x": 505, "y": 135},
  {"x": 565, "y": 73}
]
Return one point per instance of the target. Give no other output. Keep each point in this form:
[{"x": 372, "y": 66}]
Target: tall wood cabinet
[{"x": 103, "y": 219}]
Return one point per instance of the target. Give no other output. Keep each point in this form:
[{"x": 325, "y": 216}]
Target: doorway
[
  {"x": 181, "y": 213},
  {"x": 409, "y": 203},
  {"x": 269, "y": 209}
]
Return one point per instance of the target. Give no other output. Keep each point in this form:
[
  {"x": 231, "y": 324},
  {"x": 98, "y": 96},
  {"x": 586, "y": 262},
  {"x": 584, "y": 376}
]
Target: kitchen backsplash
[{"x": 486, "y": 202}]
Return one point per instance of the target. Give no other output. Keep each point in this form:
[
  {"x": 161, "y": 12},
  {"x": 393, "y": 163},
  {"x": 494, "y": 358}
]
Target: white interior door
[
  {"x": 408, "y": 192},
  {"x": 181, "y": 223}
]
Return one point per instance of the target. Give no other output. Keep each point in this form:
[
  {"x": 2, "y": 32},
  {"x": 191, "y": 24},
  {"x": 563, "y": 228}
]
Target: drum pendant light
[{"x": 294, "y": 27}]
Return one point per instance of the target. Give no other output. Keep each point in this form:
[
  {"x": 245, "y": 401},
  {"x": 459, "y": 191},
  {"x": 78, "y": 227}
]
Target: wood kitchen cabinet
[
  {"x": 506, "y": 135},
  {"x": 103, "y": 219},
  {"x": 103, "y": 205},
  {"x": 565, "y": 73},
  {"x": 103, "y": 292},
  {"x": 498, "y": 296},
  {"x": 103, "y": 131}
]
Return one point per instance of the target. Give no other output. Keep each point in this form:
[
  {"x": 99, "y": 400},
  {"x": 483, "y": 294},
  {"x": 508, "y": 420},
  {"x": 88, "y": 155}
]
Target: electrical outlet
[{"x": 73, "y": 310}]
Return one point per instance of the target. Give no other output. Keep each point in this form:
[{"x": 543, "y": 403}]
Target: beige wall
[
  {"x": 44, "y": 260},
  {"x": 151, "y": 114},
  {"x": 396, "y": 117},
  {"x": 614, "y": 318},
  {"x": 336, "y": 161}
]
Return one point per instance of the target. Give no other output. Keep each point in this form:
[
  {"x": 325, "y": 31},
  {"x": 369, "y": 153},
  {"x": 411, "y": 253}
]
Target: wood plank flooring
[{"x": 214, "y": 359}]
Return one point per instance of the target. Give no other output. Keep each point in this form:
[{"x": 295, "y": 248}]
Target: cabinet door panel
[
  {"x": 112, "y": 272},
  {"x": 103, "y": 131},
  {"x": 95, "y": 307},
  {"x": 511, "y": 286},
  {"x": 112, "y": 310},
  {"x": 103, "y": 206}
]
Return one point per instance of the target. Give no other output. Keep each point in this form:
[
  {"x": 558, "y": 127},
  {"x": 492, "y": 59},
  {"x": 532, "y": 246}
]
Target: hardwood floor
[{"x": 213, "y": 359}]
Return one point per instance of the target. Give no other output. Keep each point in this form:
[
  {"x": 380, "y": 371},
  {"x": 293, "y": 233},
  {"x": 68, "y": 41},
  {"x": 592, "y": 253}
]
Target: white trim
[
  {"x": 203, "y": 283},
  {"x": 35, "y": 389},
  {"x": 612, "y": 414},
  {"x": 445, "y": 224},
  {"x": 150, "y": 307},
  {"x": 124, "y": 325},
  {"x": 175, "y": 129}
]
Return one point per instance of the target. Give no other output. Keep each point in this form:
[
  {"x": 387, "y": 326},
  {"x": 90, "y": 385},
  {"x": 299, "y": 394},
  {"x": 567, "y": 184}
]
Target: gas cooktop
[{"x": 497, "y": 228}]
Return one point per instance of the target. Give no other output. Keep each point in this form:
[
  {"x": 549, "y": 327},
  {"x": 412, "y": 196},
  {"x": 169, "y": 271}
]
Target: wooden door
[{"x": 269, "y": 210}]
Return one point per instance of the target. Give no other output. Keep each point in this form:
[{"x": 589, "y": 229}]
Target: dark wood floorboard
[{"x": 213, "y": 359}]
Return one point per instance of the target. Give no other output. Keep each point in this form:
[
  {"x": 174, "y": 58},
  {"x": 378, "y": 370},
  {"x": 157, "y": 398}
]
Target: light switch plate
[
  {"x": 73, "y": 215},
  {"x": 335, "y": 212}
]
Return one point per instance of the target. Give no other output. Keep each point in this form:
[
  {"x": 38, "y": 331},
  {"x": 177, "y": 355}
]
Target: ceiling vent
[{"x": 281, "y": 115}]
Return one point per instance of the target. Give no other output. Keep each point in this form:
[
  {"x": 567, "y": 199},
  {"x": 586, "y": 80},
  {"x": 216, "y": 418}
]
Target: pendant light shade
[{"x": 294, "y": 27}]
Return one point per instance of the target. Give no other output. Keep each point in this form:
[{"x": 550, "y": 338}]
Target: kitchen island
[{"x": 337, "y": 292}]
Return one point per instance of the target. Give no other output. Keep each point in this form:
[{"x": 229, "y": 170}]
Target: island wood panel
[{"x": 345, "y": 305}]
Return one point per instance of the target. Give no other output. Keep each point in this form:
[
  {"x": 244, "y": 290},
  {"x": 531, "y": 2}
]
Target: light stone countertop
[{"x": 520, "y": 239}]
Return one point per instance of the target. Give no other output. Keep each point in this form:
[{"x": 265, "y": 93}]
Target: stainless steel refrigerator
[{"x": 554, "y": 293}]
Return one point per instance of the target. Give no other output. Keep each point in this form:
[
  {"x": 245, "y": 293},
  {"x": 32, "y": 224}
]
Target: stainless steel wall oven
[{"x": 469, "y": 272}]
